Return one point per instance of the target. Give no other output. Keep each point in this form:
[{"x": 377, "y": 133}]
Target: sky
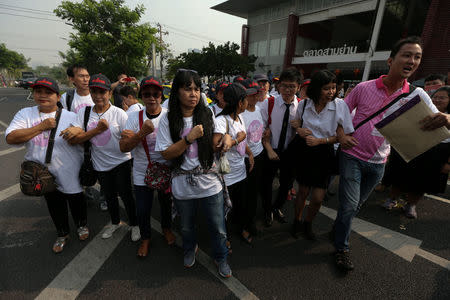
[{"x": 190, "y": 23}]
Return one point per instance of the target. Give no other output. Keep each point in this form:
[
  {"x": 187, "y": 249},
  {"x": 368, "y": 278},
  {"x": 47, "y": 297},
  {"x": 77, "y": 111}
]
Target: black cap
[
  {"x": 221, "y": 86},
  {"x": 48, "y": 83},
  {"x": 234, "y": 92},
  {"x": 251, "y": 86},
  {"x": 150, "y": 80},
  {"x": 260, "y": 77},
  {"x": 238, "y": 79},
  {"x": 100, "y": 81}
]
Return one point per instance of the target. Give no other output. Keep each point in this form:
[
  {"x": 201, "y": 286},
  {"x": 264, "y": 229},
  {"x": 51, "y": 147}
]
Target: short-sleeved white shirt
[
  {"x": 78, "y": 102},
  {"x": 140, "y": 160},
  {"x": 216, "y": 109},
  {"x": 105, "y": 149},
  {"x": 255, "y": 127},
  {"x": 325, "y": 123},
  {"x": 66, "y": 159},
  {"x": 134, "y": 107},
  {"x": 236, "y": 155},
  {"x": 207, "y": 184}
]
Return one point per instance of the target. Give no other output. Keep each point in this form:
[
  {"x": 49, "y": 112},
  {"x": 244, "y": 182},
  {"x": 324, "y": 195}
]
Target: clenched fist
[
  {"x": 102, "y": 125},
  {"x": 48, "y": 124},
  {"x": 147, "y": 127},
  {"x": 196, "y": 132},
  {"x": 241, "y": 136}
]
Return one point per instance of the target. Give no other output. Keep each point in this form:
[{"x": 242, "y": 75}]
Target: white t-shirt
[
  {"x": 325, "y": 123},
  {"x": 207, "y": 184},
  {"x": 133, "y": 108},
  {"x": 78, "y": 102},
  {"x": 106, "y": 153},
  {"x": 66, "y": 159},
  {"x": 140, "y": 160},
  {"x": 216, "y": 109},
  {"x": 236, "y": 155},
  {"x": 255, "y": 128}
]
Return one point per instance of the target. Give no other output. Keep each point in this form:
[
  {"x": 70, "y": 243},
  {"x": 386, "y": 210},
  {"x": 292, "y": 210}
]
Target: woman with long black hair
[
  {"x": 318, "y": 117},
  {"x": 185, "y": 138}
]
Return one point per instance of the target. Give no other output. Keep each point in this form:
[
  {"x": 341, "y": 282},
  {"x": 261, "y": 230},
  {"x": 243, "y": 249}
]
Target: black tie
[{"x": 284, "y": 129}]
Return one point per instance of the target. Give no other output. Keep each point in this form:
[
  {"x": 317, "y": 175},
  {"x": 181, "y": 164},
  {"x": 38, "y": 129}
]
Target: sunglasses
[
  {"x": 187, "y": 70},
  {"x": 154, "y": 95}
]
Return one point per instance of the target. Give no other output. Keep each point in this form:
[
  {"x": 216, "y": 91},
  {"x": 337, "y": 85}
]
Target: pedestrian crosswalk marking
[{"x": 11, "y": 150}]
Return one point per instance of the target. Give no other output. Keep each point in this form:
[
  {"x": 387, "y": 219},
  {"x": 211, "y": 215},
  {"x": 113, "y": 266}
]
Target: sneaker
[
  {"x": 268, "y": 219},
  {"x": 135, "y": 233},
  {"x": 390, "y": 203},
  {"x": 110, "y": 230},
  {"x": 59, "y": 244},
  {"x": 103, "y": 206},
  {"x": 410, "y": 211},
  {"x": 307, "y": 230},
  {"x": 83, "y": 233},
  {"x": 343, "y": 261},
  {"x": 189, "y": 257},
  {"x": 224, "y": 269}
]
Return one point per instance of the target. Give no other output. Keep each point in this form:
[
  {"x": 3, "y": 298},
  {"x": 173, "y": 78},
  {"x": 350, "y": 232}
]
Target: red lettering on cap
[
  {"x": 44, "y": 82},
  {"x": 98, "y": 80},
  {"x": 152, "y": 81}
]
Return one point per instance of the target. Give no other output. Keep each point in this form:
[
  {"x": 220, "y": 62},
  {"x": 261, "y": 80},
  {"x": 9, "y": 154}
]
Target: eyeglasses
[
  {"x": 187, "y": 70},
  {"x": 154, "y": 95},
  {"x": 288, "y": 86}
]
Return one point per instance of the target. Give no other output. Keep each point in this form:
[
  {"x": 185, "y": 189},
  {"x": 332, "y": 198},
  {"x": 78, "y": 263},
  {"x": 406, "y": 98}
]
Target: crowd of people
[{"x": 224, "y": 157}]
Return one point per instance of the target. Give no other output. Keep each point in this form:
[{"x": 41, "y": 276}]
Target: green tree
[
  {"x": 212, "y": 61},
  {"x": 55, "y": 72},
  {"x": 108, "y": 38},
  {"x": 11, "y": 60}
]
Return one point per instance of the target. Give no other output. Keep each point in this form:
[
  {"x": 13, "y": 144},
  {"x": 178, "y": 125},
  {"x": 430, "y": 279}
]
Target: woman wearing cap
[
  {"x": 217, "y": 108},
  {"x": 185, "y": 138},
  {"x": 254, "y": 128},
  {"x": 113, "y": 167},
  {"x": 317, "y": 120},
  {"x": 141, "y": 127},
  {"x": 229, "y": 122},
  {"x": 31, "y": 126}
]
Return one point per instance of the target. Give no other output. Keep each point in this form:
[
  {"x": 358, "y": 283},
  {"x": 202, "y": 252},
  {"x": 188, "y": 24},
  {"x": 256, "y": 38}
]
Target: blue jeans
[
  {"x": 357, "y": 180},
  {"x": 213, "y": 208}
]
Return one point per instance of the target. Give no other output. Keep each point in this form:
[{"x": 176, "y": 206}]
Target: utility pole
[
  {"x": 153, "y": 60},
  {"x": 162, "y": 48}
]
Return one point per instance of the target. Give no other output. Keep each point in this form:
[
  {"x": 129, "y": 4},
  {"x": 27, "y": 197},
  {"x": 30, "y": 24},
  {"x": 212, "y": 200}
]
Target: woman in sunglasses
[
  {"x": 185, "y": 138},
  {"x": 141, "y": 128}
]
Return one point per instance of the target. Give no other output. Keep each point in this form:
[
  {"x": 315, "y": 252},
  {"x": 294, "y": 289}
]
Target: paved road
[{"x": 395, "y": 257}]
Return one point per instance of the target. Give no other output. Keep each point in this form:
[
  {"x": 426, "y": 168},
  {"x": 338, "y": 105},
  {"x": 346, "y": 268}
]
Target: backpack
[{"x": 70, "y": 94}]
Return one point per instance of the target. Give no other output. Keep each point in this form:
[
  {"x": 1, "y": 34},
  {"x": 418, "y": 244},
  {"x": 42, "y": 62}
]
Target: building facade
[{"x": 346, "y": 36}]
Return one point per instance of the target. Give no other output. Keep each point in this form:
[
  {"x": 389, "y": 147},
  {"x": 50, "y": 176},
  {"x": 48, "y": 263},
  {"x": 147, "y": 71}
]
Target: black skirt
[
  {"x": 313, "y": 165},
  {"x": 420, "y": 175}
]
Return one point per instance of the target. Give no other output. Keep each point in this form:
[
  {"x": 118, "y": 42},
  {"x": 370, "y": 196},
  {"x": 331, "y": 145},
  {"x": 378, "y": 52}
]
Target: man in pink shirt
[{"x": 362, "y": 160}]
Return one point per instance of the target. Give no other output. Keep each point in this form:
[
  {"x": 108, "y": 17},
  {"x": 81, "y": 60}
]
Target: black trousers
[
  {"x": 253, "y": 188},
  {"x": 118, "y": 181},
  {"x": 270, "y": 167},
  {"x": 238, "y": 214},
  {"x": 57, "y": 207}
]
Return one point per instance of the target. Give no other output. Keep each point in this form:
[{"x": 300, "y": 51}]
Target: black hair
[
  {"x": 232, "y": 100},
  {"x": 71, "y": 70},
  {"x": 318, "y": 80},
  {"x": 399, "y": 44},
  {"x": 432, "y": 77},
  {"x": 202, "y": 115},
  {"x": 445, "y": 88},
  {"x": 127, "y": 91},
  {"x": 339, "y": 79},
  {"x": 291, "y": 74}
]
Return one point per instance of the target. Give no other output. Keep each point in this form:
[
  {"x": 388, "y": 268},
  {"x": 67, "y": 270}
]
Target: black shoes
[
  {"x": 279, "y": 216},
  {"x": 307, "y": 230},
  {"x": 296, "y": 228},
  {"x": 343, "y": 262}
]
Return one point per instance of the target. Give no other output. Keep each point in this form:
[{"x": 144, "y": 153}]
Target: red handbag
[{"x": 158, "y": 175}]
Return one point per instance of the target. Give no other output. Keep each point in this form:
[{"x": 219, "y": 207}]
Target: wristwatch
[{"x": 186, "y": 140}]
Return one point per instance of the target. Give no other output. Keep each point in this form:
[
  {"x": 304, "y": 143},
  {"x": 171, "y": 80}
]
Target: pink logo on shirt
[
  {"x": 41, "y": 140},
  {"x": 151, "y": 140},
  {"x": 241, "y": 147},
  {"x": 81, "y": 106},
  {"x": 254, "y": 131},
  {"x": 101, "y": 139},
  {"x": 192, "y": 150}
]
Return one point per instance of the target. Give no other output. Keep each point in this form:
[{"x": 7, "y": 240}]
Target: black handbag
[
  {"x": 35, "y": 178},
  {"x": 87, "y": 175}
]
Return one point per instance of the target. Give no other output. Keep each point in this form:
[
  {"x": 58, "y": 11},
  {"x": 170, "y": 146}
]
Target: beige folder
[{"x": 402, "y": 129}]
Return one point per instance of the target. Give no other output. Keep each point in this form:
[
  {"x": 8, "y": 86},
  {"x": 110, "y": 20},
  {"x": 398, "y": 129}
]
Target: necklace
[{"x": 100, "y": 115}]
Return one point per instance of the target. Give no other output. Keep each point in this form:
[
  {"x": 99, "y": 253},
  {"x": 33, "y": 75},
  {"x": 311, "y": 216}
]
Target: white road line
[
  {"x": 11, "y": 150},
  {"x": 232, "y": 283},
  {"x": 3, "y": 124},
  {"x": 3, "y": 99},
  {"x": 437, "y": 198},
  {"x": 69, "y": 283},
  {"x": 404, "y": 246},
  {"x": 434, "y": 258},
  {"x": 8, "y": 192}
]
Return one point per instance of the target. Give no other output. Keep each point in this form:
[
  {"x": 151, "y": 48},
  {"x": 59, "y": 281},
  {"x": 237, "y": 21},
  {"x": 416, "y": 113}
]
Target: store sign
[{"x": 331, "y": 51}]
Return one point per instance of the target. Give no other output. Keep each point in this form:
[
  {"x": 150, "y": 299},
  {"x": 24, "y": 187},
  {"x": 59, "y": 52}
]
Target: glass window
[
  {"x": 282, "y": 46},
  {"x": 275, "y": 47},
  {"x": 252, "y": 49},
  {"x": 262, "y": 47}
]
